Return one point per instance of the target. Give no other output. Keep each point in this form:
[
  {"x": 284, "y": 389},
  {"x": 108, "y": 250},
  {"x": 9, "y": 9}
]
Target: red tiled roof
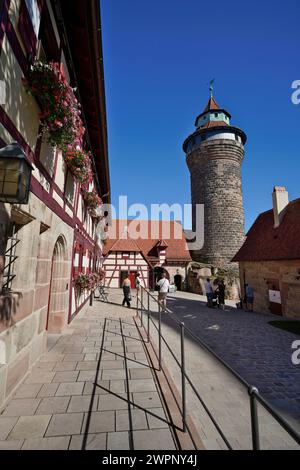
[
  {"x": 125, "y": 245},
  {"x": 151, "y": 233},
  {"x": 162, "y": 244},
  {"x": 211, "y": 105},
  {"x": 213, "y": 124},
  {"x": 266, "y": 243}
]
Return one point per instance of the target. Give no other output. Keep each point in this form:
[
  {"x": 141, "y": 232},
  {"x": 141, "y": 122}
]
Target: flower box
[
  {"x": 79, "y": 164},
  {"x": 89, "y": 281},
  {"x": 92, "y": 200},
  {"x": 61, "y": 115}
]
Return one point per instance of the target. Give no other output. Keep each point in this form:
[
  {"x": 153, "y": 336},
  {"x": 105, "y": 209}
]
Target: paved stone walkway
[
  {"x": 76, "y": 397},
  {"x": 260, "y": 353},
  {"x": 59, "y": 406}
]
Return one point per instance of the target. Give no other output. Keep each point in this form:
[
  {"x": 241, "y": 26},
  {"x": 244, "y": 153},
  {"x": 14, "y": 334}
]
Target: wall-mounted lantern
[{"x": 15, "y": 175}]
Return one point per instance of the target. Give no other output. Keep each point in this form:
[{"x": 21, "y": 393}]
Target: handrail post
[
  {"x": 148, "y": 313},
  {"x": 183, "y": 390},
  {"x": 137, "y": 303},
  {"x": 254, "y": 418},
  {"x": 142, "y": 305},
  {"x": 159, "y": 336}
]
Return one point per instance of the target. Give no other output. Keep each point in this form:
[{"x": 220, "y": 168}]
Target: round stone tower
[{"x": 214, "y": 155}]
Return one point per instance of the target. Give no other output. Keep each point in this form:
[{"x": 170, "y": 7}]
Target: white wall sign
[{"x": 275, "y": 296}]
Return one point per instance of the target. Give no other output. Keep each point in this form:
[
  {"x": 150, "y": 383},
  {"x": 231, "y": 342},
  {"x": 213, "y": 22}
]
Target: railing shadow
[
  {"x": 131, "y": 404},
  {"x": 9, "y": 303}
]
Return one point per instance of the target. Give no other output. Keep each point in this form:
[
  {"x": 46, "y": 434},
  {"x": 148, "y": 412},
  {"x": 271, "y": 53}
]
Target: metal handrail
[{"x": 253, "y": 392}]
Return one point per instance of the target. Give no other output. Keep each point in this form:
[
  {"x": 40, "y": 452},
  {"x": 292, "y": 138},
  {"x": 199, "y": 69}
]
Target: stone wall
[
  {"x": 215, "y": 168},
  {"x": 287, "y": 273},
  {"x": 198, "y": 276},
  {"x": 172, "y": 270},
  {"x": 24, "y": 311}
]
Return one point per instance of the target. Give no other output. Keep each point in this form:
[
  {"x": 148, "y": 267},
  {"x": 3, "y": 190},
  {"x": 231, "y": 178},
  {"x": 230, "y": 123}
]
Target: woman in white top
[
  {"x": 137, "y": 282},
  {"x": 163, "y": 285}
]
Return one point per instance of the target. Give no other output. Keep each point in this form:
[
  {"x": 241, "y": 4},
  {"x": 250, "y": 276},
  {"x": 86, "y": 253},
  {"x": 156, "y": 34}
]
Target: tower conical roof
[
  {"x": 211, "y": 105},
  {"x": 213, "y": 115}
]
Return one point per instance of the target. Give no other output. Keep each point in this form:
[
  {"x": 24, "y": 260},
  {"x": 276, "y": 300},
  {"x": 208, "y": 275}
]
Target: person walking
[
  {"x": 178, "y": 281},
  {"x": 127, "y": 291},
  {"x": 138, "y": 282},
  {"x": 163, "y": 285},
  {"x": 221, "y": 294},
  {"x": 209, "y": 293},
  {"x": 249, "y": 297}
]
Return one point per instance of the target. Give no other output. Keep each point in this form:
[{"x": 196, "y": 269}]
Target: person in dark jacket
[
  {"x": 127, "y": 291},
  {"x": 221, "y": 295}
]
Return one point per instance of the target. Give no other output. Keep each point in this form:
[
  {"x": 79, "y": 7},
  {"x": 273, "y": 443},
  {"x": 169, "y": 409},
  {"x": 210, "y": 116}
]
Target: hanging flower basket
[
  {"x": 79, "y": 164},
  {"x": 86, "y": 281},
  {"x": 92, "y": 200},
  {"x": 61, "y": 115}
]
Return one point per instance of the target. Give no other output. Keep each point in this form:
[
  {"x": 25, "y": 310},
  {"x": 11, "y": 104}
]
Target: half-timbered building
[
  {"x": 145, "y": 247},
  {"x": 48, "y": 242}
]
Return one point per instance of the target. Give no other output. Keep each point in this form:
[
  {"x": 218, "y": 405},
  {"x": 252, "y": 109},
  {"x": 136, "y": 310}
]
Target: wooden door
[{"x": 132, "y": 279}]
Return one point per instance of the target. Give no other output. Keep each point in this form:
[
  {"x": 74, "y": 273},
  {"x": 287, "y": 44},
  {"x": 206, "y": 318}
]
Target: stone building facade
[
  {"x": 269, "y": 260},
  {"x": 46, "y": 243},
  {"x": 214, "y": 155}
]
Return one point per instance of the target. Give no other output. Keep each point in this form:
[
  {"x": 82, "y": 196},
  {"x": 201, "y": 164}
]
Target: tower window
[{"x": 216, "y": 115}]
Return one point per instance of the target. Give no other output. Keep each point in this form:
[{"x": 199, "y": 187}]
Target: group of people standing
[
  {"x": 217, "y": 294},
  {"x": 163, "y": 285}
]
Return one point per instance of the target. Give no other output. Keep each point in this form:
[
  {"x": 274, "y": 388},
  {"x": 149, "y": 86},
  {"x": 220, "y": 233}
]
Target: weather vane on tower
[{"x": 211, "y": 87}]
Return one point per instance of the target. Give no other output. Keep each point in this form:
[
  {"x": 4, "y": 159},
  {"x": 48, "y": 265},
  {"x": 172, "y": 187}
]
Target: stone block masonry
[
  {"x": 214, "y": 155},
  {"x": 215, "y": 168}
]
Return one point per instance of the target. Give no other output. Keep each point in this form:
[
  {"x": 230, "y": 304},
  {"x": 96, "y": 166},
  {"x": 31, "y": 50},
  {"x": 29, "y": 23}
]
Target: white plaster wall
[
  {"x": 225, "y": 135},
  {"x": 60, "y": 172},
  {"x": 20, "y": 106},
  {"x": 5, "y": 135},
  {"x": 13, "y": 12},
  {"x": 114, "y": 283},
  {"x": 58, "y": 199}
]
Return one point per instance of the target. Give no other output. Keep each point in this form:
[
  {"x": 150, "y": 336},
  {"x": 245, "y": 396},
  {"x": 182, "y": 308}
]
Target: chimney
[{"x": 280, "y": 203}]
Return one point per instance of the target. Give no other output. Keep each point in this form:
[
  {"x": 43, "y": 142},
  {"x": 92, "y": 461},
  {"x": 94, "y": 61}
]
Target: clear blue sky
[{"x": 159, "y": 57}]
